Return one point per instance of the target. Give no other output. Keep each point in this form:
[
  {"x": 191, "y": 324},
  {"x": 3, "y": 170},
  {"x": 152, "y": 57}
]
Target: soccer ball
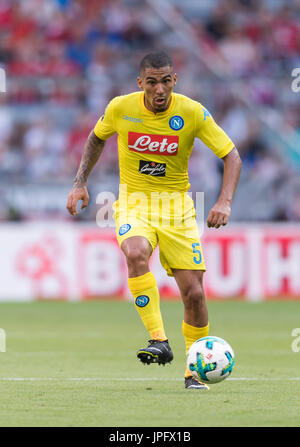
[{"x": 210, "y": 359}]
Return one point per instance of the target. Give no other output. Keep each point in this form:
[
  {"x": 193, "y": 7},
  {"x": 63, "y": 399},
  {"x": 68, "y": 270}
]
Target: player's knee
[
  {"x": 195, "y": 297},
  {"x": 136, "y": 257}
]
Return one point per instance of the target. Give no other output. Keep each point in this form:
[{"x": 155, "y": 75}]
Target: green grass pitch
[{"x": 74, "y": 364}]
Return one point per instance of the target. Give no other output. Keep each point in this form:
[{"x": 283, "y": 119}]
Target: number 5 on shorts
[{"x": 197, "y": 258}]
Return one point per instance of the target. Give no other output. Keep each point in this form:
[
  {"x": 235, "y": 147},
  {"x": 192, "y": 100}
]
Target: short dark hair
[{"x": 155, "y": 60}]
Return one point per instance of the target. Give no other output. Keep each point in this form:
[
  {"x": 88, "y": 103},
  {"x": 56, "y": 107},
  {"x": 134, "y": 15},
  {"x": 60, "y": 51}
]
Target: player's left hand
[{"x": 218, "y": 215}]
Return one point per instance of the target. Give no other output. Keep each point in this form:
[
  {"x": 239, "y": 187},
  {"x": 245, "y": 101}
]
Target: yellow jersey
[{"x": 154, "y": 148}]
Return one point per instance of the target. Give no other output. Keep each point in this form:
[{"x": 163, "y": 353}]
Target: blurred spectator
[{"x": 239, "y": 52}]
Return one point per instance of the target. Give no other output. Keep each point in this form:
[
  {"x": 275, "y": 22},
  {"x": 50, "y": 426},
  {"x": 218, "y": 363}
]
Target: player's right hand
[{"x": 76, "y": 194}]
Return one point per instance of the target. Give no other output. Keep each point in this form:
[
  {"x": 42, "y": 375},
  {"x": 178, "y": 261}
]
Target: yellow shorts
[{"x": 177, "y": 237}]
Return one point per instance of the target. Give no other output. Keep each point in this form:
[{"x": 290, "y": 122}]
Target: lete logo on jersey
[{"x": 149, "y": 143}]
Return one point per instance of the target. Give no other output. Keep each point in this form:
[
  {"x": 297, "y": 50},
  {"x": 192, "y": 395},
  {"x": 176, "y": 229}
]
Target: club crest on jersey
[
  {"x": 176, "y": 122},
  {"x": 153, "y": 144},
  {"x": 124, "y": 228}
]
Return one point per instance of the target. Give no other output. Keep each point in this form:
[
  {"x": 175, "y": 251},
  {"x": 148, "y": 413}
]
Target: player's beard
[{"x": 161, "y": 106}]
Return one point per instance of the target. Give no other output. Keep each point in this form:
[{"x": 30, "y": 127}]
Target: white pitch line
[{"x": 131, "y": 379}]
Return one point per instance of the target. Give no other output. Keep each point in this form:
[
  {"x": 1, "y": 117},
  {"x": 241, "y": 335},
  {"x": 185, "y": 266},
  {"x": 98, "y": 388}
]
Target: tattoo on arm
[{"x": 92, "y": 151}]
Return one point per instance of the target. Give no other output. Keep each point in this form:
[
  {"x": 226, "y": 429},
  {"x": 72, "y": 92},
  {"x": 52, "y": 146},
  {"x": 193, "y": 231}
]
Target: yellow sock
[
  {"x": 191, "y": 334},
  {"x": 146, "y": 300}
]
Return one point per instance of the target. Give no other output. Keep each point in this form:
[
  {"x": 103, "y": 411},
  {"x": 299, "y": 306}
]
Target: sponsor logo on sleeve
[{"x": 206, "y": 113}]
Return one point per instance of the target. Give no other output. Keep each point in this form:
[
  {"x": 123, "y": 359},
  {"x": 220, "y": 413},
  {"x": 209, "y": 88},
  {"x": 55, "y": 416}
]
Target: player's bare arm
[
  {"x": 92, "y": 151},
  {"x": 220, "y": 212}
]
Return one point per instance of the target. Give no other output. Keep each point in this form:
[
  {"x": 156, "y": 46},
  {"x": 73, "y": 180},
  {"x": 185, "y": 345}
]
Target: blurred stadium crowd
[{"x": 65, "y": 59}]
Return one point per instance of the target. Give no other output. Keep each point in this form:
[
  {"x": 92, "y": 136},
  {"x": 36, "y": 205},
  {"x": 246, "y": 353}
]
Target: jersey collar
[{"x": 166, "y": 112}]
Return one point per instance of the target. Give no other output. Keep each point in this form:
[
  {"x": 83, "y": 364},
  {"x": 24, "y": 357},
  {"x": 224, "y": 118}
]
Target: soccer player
[{"x": 156, "y": 129}]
